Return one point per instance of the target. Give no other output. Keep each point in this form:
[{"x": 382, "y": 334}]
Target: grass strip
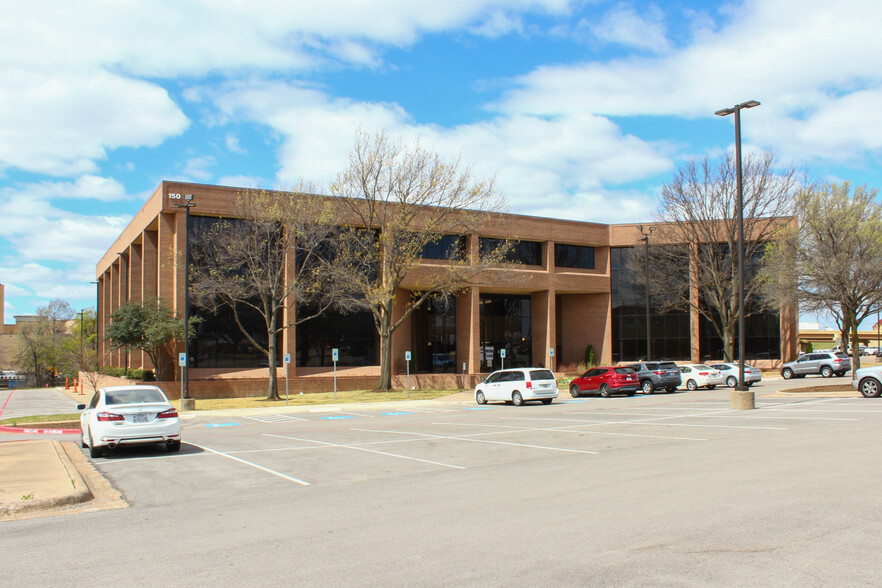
[{"x": 349, "y": 396}]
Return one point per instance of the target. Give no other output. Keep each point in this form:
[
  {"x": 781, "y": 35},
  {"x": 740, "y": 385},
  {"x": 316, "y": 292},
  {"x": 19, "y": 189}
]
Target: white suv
[{"x": 518, "y": 386}]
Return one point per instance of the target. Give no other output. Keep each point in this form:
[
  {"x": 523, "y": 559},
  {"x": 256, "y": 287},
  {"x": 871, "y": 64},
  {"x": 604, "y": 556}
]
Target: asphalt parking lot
[{"x": 643, "y": 491}]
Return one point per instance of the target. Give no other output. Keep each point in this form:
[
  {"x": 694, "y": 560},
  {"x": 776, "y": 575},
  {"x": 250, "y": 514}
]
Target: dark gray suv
[{"x": 657, "y": 375}]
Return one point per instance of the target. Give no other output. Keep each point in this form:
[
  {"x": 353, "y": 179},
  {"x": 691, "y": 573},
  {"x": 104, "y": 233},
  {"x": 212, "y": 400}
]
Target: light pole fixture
[
  {"x": 645, "y": 239},
  {"x": 745, "y": 398},
  {"x": 185, "y": 369}
]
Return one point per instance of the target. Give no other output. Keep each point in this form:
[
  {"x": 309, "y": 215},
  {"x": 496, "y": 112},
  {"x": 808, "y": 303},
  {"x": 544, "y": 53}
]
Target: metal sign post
[
  {"x": 287, "y": 362},
  {"x": 182, "y": 361},
  {"x": 335, "y": 355},
  {"x": 407, "y": 358},
  {"x": 551, "y": 356},
  {"x": 502, "y": 356}
]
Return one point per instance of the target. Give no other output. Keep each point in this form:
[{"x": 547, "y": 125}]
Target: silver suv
[{"x": 825, "y": 363}]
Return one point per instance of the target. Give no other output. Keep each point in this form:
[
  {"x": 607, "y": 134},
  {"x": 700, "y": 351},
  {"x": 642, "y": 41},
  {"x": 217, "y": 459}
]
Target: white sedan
[
  {"x": 697, "y": 375},
  {"x": 128, "y": 415},
  {"x": 730, "y": 372}
]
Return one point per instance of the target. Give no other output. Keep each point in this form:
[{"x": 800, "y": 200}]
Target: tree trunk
[
  {"x": 385, "y": 353},
  {"x": 729, "y": 344},
  {"x": 855, "y": 347},
  {"x": 272, "y": 357}
]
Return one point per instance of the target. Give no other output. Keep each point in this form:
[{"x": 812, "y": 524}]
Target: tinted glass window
[
  {"x": 577, "y": 256},
  {"x": 445, "y": 247},
  {"x": 133, "y": 396},
  {"x": 623, "y": 370},
  {"x": 652, "y": 366},
  {"x": 525, "y": 252},
  {"x": 94, "y": 402},
  {"x": 541, "y": 375},
  {"x": 493, "y": 378},
  {"x": 668, "y": 366},
  {"x": 513, "y": 377},
  {"x": 841, "y": 355}
]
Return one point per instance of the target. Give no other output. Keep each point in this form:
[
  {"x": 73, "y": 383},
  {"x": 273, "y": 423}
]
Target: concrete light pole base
[
  {"x": 190, "y": 404},
  {"x": 741, "y": 400}
]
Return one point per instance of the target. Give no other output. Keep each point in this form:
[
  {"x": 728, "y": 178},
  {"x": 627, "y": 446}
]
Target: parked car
[
  {"x": 128, "y": 415},
  {"x": 657, "y": 375},
  {"x": 825, "y": 363},
  {"x": 730, "y": 373},
  {"x": 868, "y": 381},
  {"x": 518, "y": 385},
  {"x": 698, "y": 375},
  {"x": 606, "y": 381}
]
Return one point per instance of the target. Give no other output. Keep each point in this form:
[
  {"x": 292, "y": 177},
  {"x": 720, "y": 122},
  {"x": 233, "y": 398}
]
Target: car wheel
[
  {"x": 731, "y": 381},
  {"x": 94, "y": 452},
  {"x": 516, "y": 398},
  {"x": 604, "y": 390},
  {"x": 547, "y": 400},
  {"x": 787, "y": 373},
  {"x": 870, "y": 388},
  {"x": 173, "y": 446},
  {"x": 83, "y": 440},
  {"x": 574, "y": 391},
  {"x": 480, "y": 398},
  {"x": 840, "y": 374},
  {"x": 691, "y": 385},
  {"x": 670, "y": 389},
  {"x": 826, "y": 371},
  {"x": 647, "y": 386}
]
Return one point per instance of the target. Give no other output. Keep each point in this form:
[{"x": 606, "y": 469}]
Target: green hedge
[{"x": 118, "y": 372}]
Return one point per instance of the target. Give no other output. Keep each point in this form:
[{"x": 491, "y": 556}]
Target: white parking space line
[
  {"x": 254, "y": 465},
  {"x": 733, "y": 415},
  {"x": 324, "y": 443},
  {"x": 370, "y": 416},
  {"x": 275, "y": 418},
  {"x": 568, "y": 429},
  {"x": 468, "y": 438},
  {"x": 647, "y": 422}
]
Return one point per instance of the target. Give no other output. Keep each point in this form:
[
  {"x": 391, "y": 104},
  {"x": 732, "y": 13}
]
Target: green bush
[
  {"x": 808, "y": 347},
  {"x": 589, "y": 355}
]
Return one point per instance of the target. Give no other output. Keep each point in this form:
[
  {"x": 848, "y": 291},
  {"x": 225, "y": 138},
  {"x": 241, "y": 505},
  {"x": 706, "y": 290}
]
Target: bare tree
[
  {"x": 398, "y": 201},
  {"x": 271, "y": 260},
  {"x": 696, "y": 265},
  {"x": 833, "y": 260}
]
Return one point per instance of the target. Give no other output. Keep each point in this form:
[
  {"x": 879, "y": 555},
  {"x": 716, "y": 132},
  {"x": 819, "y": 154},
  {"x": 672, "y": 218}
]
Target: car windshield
[
  {"x": 541, "y": 375},
  {"x": 133, "y": 396}
]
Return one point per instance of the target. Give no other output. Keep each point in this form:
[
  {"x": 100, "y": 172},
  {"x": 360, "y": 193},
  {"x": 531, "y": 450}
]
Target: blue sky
[{"x": 580, "y": 109}]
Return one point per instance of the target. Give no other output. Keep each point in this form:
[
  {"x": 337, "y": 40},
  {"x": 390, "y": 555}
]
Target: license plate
[{"x": 139, "y": 418}]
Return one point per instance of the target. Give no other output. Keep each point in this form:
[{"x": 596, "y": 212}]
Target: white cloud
[
  {"x": 808, "y": 67},
  {"x": 624, "y": 26},
  {"x": 60, "y": 123},
  {"x": 555, "y": 166},
  {"x": 68, "y": 80}
]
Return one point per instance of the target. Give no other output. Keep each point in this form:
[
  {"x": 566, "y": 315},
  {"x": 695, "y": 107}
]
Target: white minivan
[{"x": 517, "y": 386}]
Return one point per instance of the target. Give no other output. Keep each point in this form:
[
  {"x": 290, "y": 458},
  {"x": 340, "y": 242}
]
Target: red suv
[{"x": 606, "y": 381}]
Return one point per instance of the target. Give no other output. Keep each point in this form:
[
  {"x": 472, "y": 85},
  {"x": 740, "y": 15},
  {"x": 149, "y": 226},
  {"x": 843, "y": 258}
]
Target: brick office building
[{"x": 574, "y": 290}]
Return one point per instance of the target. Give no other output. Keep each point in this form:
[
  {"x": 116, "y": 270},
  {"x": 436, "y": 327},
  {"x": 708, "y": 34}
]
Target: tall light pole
[
  {"x": 185, "y": 370},
  {"x": 645, "y": 238},
  {"x": 741, "y": 397}
]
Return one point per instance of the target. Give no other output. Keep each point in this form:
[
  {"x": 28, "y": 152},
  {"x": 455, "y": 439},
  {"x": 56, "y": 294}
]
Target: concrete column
[
  {"x": 401, "y": 337},
  {"x": 694, "y": 315},
  {"x": 468, "y": 331},
  {"x": 289, "y": 336},
  {"x": 544, "y": 327}
]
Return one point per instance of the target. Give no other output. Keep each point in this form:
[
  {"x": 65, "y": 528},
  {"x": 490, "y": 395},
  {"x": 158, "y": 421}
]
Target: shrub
[{"x": 589, "y": 355}]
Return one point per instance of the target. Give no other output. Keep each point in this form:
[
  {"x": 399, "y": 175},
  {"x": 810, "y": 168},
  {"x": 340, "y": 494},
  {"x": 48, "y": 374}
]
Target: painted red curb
[{"x": 27, "y": 431}]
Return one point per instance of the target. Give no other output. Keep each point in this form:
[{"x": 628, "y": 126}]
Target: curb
[
  {"x": 39, "y": 431},
  {"x": 81, "y": 492}
]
